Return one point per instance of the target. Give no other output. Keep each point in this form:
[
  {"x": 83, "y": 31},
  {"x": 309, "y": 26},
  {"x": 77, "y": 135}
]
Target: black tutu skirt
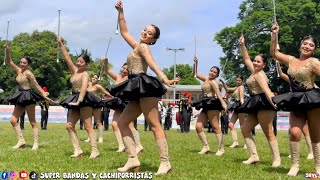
[
  {"x": 25, "y": 98},
  {"x": 89, "y": 100},
  {"x": 138, "y": 86},
  {"x": 234, "y": 107},
  {"x": 255, "y": 103},
  {"x": 207, "y": 103},
  {"x": 114, "y": 103},
  {"x": 298, "y": 101}
]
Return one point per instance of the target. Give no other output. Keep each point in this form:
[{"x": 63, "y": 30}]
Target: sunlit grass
[{"x": 56, "y": 148}]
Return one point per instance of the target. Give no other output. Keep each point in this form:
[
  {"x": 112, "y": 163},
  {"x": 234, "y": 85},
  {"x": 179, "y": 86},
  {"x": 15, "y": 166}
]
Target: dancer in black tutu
[
  {"x": 143, "y": 92},
  {"x": 211, "y": 103},
  {"x": 304, "y": 100},
  {"x": 259, "y": 107},
  {"x": 25, "y": 99},
  {"x": 94, "y": 87},
  {"x": 238, "y": 95},
  {"x": 305, "y": 129},
  {"x": 80, "y": 103},
  {"x": 118, "y": 105}
]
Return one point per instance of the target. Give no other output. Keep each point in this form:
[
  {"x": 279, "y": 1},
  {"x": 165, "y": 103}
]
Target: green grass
[{"x": 55, "y": 150}]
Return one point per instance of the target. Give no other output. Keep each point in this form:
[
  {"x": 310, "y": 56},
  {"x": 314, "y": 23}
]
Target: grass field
[{"x": 56, "y": 148}]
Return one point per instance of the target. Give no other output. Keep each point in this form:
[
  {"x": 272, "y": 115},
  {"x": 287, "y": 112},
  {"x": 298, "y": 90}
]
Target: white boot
[
  {"x": 21, "y": 142},
  {"x": 275, "y": 153},
  {"x": 235, "y": 139},
  {"x": 36, "y": 139},
  {"x": 251, "y": 147},
  {"x": 295, "y": 157},
  {"x": 139, "y": 147},
  {"x": 165, "y": 165},
  {"x": 220, "y": 144},
  {"x": 87, "y": 140},
  {"x": 93, "y": 142},
  {"x": 121, "y": 147},
  {"x": 310, "y": 151},
  {"x": 205, "y": 147},
  {"x": 100, "y": 129},
  {"x": 75, "y": 142},
  {"x": 316, "y": 152},
  {"x": 132, "y": 163}
]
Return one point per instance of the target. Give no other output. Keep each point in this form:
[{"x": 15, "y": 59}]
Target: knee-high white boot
[
  {"x": 121, "y": 147},
  {"x": 205, "y": 147},
  {"x": 36, "y": 139},
  {"x": 235, "y": 139},
  {"x": 21, "y": 142},
  {"x": 165, "y": 165},
  {"x": 220, "y": 144},
  {"x": 132, "y": 163},
  {"x": 251, "y": 147},
  {"x": 275, "y": 153},
  {"x": 295, "y": 158}
]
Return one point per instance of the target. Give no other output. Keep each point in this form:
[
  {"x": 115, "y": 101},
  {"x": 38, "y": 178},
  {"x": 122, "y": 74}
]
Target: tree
[
  {"x": 184, "y": 71},
  {"x": 296, "y": 19}
]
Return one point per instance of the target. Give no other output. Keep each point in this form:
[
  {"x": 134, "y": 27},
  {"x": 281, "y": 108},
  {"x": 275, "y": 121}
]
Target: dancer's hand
[
  {"x": 224, "y": 105},
  {"x": 6, "y": 47},
  {"x": 74, "y": 104},
  {"x": 119, "y": 5},
  {"x": 59, "y": 39},
  {"x": 105, "y": 61},
  {"x": 172, "y": 81},
  {"x": 275, "y": 27},
  {"x": 195, "y": 59},
  {"x": 241, "y": 40}
]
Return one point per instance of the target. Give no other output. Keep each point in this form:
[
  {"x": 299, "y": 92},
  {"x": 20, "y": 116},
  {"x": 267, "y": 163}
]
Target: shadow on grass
[
  {"x": 143, "y": 166},
  {"x": 281, "y": 170}
]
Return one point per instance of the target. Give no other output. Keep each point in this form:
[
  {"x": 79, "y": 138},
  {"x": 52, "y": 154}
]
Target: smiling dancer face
[
  {"x": 124, "y": 70},
  {"x": 25, "y": 63},
  {"x": 214, "y": 72},
  {"x": 150, "y": 34},
  {"x": 308, "y": 46},
  {"x": 239, "y": 80},
  {"x": 259, "y": 62}
]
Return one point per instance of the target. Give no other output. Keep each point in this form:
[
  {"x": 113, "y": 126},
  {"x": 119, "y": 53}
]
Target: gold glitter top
[
  {"x": 207, "y": 89},
  {"x": 77, "y": 79},
  {"x": 254, "y": 85},
  {"x": 303, "y": 75},
  {"x": 94, "y": 89},
  {"x": 136, "y": 63},
  {"x": 24, "y": 79},
  {"x": 236, "y": 94}
]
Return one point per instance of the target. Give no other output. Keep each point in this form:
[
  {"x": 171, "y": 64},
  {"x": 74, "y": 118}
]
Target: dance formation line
[{"x": 134, "y": 92}]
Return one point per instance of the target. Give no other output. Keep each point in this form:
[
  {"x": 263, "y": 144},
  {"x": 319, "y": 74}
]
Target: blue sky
[{"x": 90, "y": 24}]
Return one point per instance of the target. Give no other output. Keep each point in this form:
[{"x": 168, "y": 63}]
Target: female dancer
[
  {"x": 25, "y": 99},
  {"x": 259, "y": 107},
  {"x": 238, "y": 94},
  {"x": 143, "y": 92},
  {"x": 211, "y": 104},
  {"x": 304, "y": 100},
  {"x": 305, "y": 129},
  {"x": 80, "y": 103},
  {"x": 118, "y": 105},
  {"x": 95, "y": 88}
]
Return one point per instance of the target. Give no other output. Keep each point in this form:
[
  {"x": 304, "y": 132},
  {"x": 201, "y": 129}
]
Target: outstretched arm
[
  {"x": 284, "y": 59},
  {"x": 123, "y": 26},
  {"x": 146, "y": 54},
  {"x": 9, "y": 60},
  {"x": 66, "y": 55},
  {"x": 241, "y": 92},
  {"x": 112, "y": 74},
  {"x": 198, "y": 75},
  {"x": 227, "y": 88},
  {"x": 103, "y": 90},
  {"x": 245, "y": 55}
]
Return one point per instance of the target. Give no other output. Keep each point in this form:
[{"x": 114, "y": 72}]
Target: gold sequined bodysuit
[
  {"x": 76, "y": 81},
  {"x": 254, "y": 87},
  {"x": 207, "y": 90},
  {"x": 93, "y": 89},
  {"x": 23, "y": 80},
  {"x": 136, "y": 63},
  {"x": 236, "y": 94},
  {"x": 302, "y": 77}
]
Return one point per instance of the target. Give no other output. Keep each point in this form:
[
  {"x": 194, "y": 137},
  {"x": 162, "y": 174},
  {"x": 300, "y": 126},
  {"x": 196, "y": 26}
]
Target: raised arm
[
  {"x": 216, "y": 89},
  {"x": 245, "y": 55},
  {"x": 261, "y": 79},
  {"x": 281, "y": 73},
  {"x": 198, "y": 75},
  {"x": 283, "y": 58},
  {"x": 112, "y": 74},
  {"x": 241, "y": 92},
  {"x": 66, "y": 55},
  {"x": 104, "y": 91},
  {"x": 146, "y": 54},
  {"x": 227, "y": 88},
  {"x": 9, "y": 60},
  {"x": 123, "y": 26}
]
